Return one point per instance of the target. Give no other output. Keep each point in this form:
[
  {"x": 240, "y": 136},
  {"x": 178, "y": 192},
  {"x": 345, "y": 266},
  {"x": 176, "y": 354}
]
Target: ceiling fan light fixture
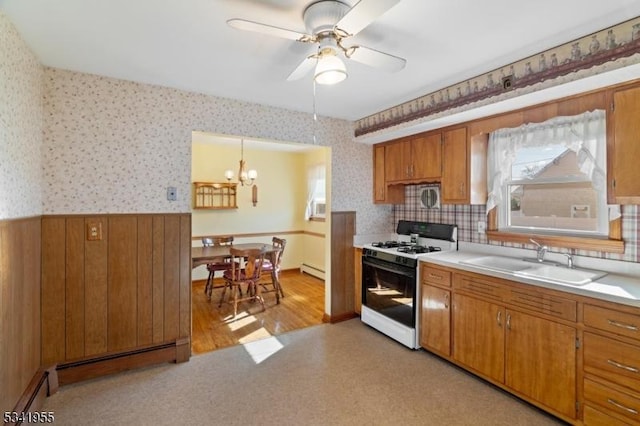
[{"x": 330, "y": 70}]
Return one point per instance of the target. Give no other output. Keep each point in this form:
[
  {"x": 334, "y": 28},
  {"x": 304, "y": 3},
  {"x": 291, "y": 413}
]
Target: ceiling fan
[{"x": 329, "y": 23}]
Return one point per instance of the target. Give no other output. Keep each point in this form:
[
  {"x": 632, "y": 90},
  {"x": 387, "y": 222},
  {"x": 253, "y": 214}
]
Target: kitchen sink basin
[
  {"x": 498, "y": 263},
  {"x": 553, "y": 273},
  {"x": 561, "y": 275}
]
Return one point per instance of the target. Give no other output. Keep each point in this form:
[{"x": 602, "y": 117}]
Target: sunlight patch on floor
[
  {"x": 260, "y": 345},
  {"x": 241, "y": 320}
]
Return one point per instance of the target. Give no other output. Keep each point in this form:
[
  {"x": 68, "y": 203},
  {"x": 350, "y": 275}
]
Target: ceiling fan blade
[
  {"x": 362, "y": 14},
  {"x": 303, "y": 68},
  {"x": 243, "y": 24},
  {"x": 375, "y": 58}
]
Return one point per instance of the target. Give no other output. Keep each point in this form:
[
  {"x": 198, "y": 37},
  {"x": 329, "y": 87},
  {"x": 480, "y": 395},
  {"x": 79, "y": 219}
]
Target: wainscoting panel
[
  {"x": 19, "y": 307},
  {"x": 125, "y": 290}
]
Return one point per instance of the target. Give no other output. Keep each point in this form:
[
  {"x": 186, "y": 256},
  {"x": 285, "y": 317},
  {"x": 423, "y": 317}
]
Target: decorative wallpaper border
[{"x": 587, "y": 56}]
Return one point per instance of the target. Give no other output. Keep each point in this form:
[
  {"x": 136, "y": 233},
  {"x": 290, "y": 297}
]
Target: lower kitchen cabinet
[
  {"x": 611, "y": 382},
  {"x": 357, "y": 279},
  {"x": 435, "y": 312},
  {"x": 435, "y": 323},
  {"x": 523, "y": 339}
]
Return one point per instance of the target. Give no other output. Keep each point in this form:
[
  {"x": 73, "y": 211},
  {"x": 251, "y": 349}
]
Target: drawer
[
  {"x": 435, "y": 276},
  {"x": 616, "y": 361},
  {"x": 487, "y": 289},
  {"x": 595, "y": 417},
  {"x": 612, "y": 400},
  {"x": 544, "y": 303},
  {"x": 621, "y": 323}
]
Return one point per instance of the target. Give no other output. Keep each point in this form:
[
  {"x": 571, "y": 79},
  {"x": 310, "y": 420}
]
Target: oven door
[{"x": 390, "y": 290}]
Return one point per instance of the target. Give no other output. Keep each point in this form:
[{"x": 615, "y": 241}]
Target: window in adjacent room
[
  {"x": 316, "y": 198},
  {"x": 550, "y": 178}
]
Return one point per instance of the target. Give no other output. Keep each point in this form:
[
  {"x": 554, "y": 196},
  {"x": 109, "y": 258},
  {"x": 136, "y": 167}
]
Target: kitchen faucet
[{"x": 542, "y": 250}]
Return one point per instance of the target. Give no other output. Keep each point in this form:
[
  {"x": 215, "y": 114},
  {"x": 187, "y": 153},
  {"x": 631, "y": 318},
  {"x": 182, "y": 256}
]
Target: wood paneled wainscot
[
  {"x": 521, "y": 338},
  {"x": 115, "y": 284}
]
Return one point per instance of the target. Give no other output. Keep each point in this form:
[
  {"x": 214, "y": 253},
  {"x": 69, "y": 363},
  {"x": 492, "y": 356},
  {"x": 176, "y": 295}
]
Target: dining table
[
  {"x": 210, "y": 254},
  {"x": 204, "y": 255}
]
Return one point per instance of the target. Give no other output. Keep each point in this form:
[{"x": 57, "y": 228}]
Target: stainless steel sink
[
  {"x": 561, "y": 275},
  {"x": 498, "y": 263}
]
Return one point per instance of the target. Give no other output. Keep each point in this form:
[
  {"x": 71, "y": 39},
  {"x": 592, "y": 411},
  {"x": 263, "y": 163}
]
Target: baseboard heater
[
  {"x": 312, "y": 270},
  {"x": 43, "y": 384},
  {"x": 72, "y": 372}
]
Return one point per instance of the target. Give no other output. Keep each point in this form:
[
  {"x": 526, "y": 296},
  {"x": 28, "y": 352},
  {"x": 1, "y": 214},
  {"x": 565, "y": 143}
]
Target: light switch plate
[
  {"x": 172, "y": 193},
  {"x": 482, "y": 227}
]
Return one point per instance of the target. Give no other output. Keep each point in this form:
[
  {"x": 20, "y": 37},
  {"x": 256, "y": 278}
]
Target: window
[
  {"x": 550, "y": 178},
  {"x": 316, "y": 198}
]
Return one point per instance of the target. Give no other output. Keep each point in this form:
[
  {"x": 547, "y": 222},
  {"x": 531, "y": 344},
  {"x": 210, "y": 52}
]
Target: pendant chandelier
[{"x": 245, "y": 177}]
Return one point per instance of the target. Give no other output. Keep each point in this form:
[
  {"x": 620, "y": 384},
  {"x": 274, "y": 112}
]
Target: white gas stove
[{"x": 389, "y": 277}]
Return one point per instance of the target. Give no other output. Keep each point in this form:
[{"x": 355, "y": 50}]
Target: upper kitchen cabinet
[
  {"x": 382, "y": 193},
  {"x": 623, "y": 146},
  {"x": 414, "y": 160},
  {"x": 464, "y": 167}
]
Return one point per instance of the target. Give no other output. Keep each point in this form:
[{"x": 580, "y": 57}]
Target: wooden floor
[{"x": 214, "y": 328}]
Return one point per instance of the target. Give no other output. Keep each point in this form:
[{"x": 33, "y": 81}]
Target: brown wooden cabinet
[
  {"x": 382, "y": 193},
  {"x": 455, "y": 167},
  {"x": 414, "y": 160},
  {"x": 357, "y": 279},
  {"x": 611, "y": 382},
  {"x": 521, "y": 338},
  {"x": 435, "y": 317},
  {"x": 623, "y": 146}
]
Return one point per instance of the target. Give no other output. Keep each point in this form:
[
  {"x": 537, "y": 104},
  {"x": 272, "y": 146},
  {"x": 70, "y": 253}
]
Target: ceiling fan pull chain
[{"x": 315, "y": 115}]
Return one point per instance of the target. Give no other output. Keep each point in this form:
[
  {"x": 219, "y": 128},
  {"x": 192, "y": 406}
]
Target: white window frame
[{"x": 584, "y": 134}]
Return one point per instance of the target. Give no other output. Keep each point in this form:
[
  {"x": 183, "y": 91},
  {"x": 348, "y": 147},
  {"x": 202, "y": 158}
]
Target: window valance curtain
[{"x": 584, "y": 134}]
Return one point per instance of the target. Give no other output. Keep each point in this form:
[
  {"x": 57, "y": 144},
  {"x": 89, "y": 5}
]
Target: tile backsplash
[{"x": 468, "y": 216}]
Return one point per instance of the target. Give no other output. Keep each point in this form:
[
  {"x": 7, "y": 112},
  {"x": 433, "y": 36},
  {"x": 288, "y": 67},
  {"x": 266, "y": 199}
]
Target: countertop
[{"x": 614, "y": 287}]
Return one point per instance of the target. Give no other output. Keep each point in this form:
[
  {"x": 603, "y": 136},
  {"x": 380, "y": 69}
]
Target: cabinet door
[
  {"x": 379, "y": 183},
  {"x": 382, "y": 193},
  {"x": 455, "y": 167},
  {"x": 624, "y": 148},
  {"x": 397, "y": 156},
  {"x": 435, "y": 320},
  {"x": 478, "y": 338},
  {"x": 426, "y": 157},
  {"x": 541, "y": 361}
]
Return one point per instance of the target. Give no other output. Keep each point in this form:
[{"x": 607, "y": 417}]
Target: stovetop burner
[
  {"x": 389, "y": 244},
  {"x": 418, "y": 249}
]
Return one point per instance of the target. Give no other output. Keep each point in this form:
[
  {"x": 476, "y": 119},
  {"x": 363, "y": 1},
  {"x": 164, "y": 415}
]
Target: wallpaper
[
  {"x": 114, "y": 146},
  {"x": 602, "y": 51},
  {"x": 20, "y": 126}
]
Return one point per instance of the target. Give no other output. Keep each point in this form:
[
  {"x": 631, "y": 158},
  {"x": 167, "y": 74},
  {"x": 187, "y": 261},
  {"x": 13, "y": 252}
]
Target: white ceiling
[{"x": 187, "y": 44}]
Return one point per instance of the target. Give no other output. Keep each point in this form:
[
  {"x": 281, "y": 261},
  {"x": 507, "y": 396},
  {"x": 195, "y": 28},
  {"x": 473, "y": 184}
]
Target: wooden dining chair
[
  {"x": 216, "y": 266},
  {"x": 271, "y": 269},
  {"x": 237, "y": 276}
]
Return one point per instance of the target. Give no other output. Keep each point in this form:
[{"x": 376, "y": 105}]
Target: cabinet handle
[
  {"x": 622, "y": 366},
  {"x": 499, "y": 318},
  {"x": 446, "y": 300},
  {"x": 623, "y": 325},
  {"x": 435, "y": 277},
  {"x": 622, "y": 407},
  {"x": 508, "y": 321}
]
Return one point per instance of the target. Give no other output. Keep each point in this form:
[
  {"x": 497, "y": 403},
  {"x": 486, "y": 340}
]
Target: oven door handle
[{"x": 386, "y": 268}]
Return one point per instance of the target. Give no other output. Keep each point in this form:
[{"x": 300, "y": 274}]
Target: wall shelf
[{"x": 214, "y": 195}]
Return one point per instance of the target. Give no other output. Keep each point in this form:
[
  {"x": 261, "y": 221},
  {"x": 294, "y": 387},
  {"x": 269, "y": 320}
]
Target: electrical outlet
[
  {"x": 172, "y": 193},
  {"x": 94, "y": 231},
  {"x": 482, "y": 227}
]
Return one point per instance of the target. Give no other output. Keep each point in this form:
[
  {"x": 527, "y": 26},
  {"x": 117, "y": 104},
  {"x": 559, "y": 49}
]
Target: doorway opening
[{"x": 273, "y": 205}]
